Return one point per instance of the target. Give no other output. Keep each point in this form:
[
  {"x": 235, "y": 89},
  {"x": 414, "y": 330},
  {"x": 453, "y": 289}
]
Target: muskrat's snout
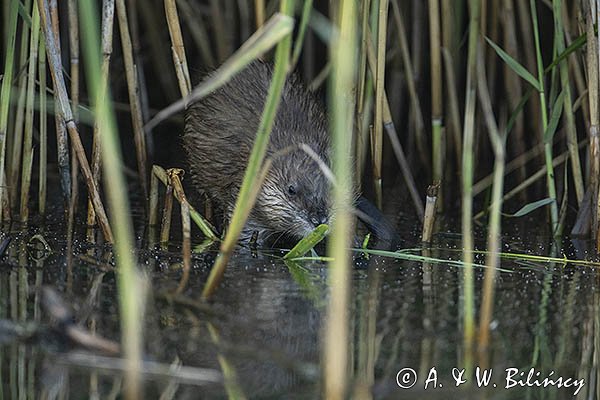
[{"x": 319, "y": 217}]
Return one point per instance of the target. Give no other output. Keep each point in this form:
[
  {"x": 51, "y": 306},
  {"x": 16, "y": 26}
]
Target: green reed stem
[
  {"x": 18, "y": 125},
  {"x": 435, "y": 44},
  {"x": 245, "y": 200},
  {"x": 467, "y": 182},
  {"x": 306, "y": 9},
  {"x": 28, "y": 138},
  {"x": 498, "y": 142},
  {"x": 551, "y": 185},
  {"x": 341, "y": 99},
  {"x": 43, "y": 152},
  {"x": 377, "y": 138},
  {"x": 128, "y": 281},
  {"x": 108, "y": 16},
  {"x": 5, "y": 94},
  {"x": 364, "y": 95},
  {"x": 571, "y": 129}
]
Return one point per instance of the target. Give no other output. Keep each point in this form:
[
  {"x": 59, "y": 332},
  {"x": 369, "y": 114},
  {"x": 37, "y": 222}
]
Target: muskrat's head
[{"x": 294, "y": 199}]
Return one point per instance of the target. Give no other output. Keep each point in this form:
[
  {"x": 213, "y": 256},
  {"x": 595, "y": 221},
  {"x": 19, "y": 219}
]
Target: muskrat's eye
[{"x": 291, "y": 190}]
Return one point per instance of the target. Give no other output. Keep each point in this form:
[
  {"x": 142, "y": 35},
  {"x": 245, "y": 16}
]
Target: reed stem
[
  {"x": 28, "y": 138},
  {"x": 134, "y": 100},
  {"x": 129, "y": 284},
  {"x": 467, "y": 182},
  {"x": 551, "y": 184},
  {"x": 62, "y": 102},
  {"x": 5, "y": 95},
  {"x": 178, "y": 48},
  {"x": 377, "y": 139},
  {"x": 342, "y": 100},
  {"x": 245, "y": 201},
  {"x": 43, "y": 152},
  {"x": 435, "y": 44}
]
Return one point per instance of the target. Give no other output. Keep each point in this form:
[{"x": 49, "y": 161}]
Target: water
[{"x": 263, "y": 327}]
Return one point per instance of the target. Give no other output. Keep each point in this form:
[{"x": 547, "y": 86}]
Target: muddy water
[{"x": 262, "y": 330}]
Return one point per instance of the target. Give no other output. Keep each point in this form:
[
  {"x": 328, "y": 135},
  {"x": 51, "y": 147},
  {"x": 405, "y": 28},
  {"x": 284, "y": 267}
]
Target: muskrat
[{"x": 218, "y": 137}]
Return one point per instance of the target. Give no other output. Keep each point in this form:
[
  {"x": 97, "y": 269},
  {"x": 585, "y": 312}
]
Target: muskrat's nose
[{"x": 319, "y": 218}]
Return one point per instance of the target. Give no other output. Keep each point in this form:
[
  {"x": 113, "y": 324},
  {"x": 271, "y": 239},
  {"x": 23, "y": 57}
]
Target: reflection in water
[{"x": 262, "y": 331}]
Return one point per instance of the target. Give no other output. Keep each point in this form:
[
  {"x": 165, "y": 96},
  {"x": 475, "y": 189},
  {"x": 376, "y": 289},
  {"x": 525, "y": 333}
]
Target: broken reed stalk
[
  {"x": 153, "y": 209},
  {"x": 134, "y": 100},
  {"x": 344, "y": 54},
  {"x": 377, "y": 139},
  {"x": 186, "y": 246},
  {"x": 430, "y": 209},
  {"x": 64, "y": 109},
  {"x": 244, "y": 201},
  {"x": 29, "y": 114},
  {"x": 498, "y": 142},
  {"x": 437, "y": 140},
  {"x": 129, "y": 283},
  {"x": 178, "y": 48},
  {"x": 467, "y": 183},
  {"x": 165, "y": 225},
  {"x": 5, "y": 96},
  {"x": 108, "y": 14},
  {"x": 207, "y": 229},
  {"x": 43, "y": 152}
]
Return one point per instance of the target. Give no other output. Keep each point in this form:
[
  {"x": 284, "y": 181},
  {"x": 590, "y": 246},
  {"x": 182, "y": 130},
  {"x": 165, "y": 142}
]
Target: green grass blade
[
  {"x": 528, "y": 208},
  {"x": 554, "y": 117},
  {"x": 577, "y": 44},
  {"x": 308, "y": 242},
  {"x": 515, "y": 65}
]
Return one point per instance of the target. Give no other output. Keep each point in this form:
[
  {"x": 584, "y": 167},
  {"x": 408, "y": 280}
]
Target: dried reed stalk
[
  {"x": 64, "y": 108},
  {"x": 134, "y": 100}
]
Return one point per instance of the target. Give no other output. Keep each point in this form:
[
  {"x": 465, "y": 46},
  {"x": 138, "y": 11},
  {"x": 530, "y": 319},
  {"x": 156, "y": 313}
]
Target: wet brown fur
[{"x": 218, "y": 138}]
